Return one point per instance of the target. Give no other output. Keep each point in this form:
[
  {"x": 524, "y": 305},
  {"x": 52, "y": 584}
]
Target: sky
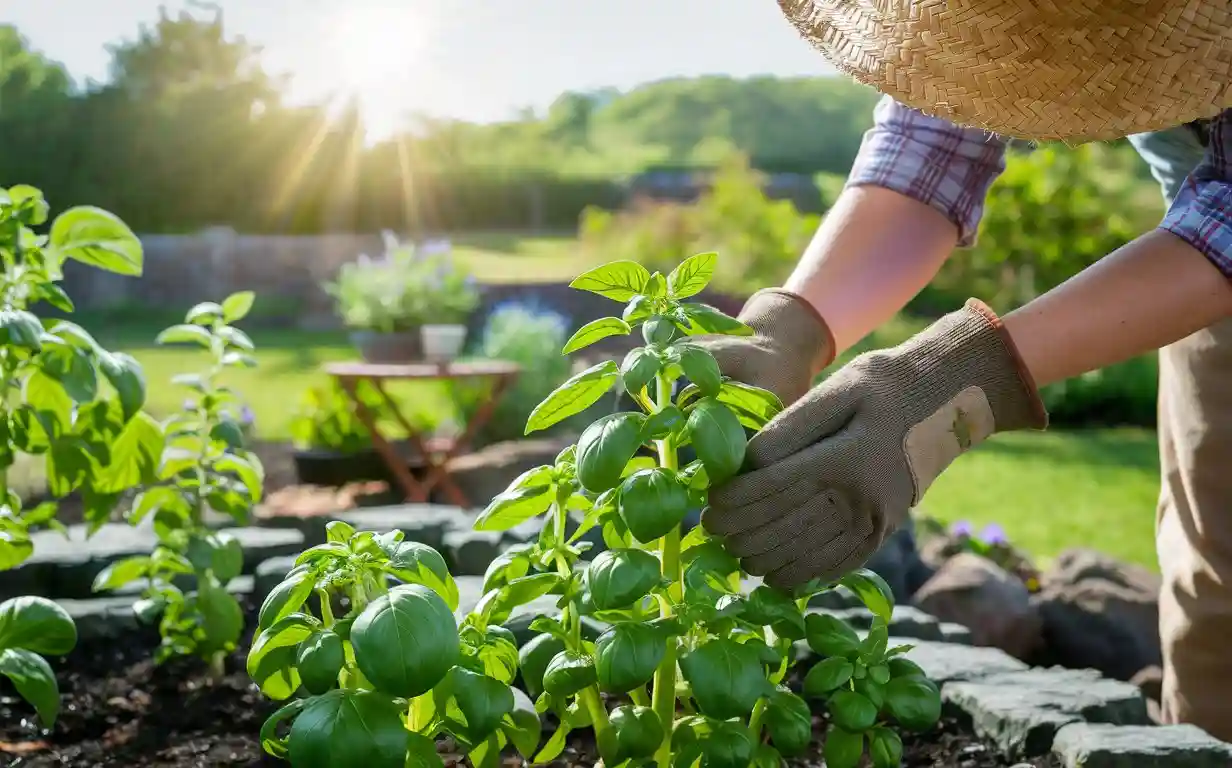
[{"x": 482, "y": 60}]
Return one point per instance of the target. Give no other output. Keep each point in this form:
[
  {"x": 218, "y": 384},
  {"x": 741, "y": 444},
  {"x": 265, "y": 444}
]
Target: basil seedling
[
  {"x": 65, "y": 398},
  {"x": 204, "y": 467}
]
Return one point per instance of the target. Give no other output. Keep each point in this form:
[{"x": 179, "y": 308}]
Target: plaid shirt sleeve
[
  {"x": 1201, "y": 214},
  {"x": 931, "y": 160}
]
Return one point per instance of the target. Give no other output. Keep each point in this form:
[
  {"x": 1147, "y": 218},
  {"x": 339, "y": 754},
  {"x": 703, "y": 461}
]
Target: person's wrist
[
  {"x": 793, "y": 325},
  {"x": 971, "y": 348}
]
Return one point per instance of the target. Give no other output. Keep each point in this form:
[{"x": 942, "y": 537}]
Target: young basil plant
[
  {"x": 701, "y": 662},
  {"x": 361, "y": 638},
  {"x": 205, "y": 467},
  {"x": 65, "y": 398}
]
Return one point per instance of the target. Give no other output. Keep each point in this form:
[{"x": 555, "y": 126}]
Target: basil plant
[
  {"x": 205, "y": 467},
  {"x": 66, "y": 400},
  {"x": 700, "y": 663},
  {"x": 360, "y": 639}
]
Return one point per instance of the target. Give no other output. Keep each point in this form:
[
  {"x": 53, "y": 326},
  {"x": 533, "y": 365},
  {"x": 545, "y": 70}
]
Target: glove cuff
[{"x": 792, "y": 323}]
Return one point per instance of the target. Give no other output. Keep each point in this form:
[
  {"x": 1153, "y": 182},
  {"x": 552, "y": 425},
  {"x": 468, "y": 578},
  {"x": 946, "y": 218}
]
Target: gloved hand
[
  {"x": 832, "y": 475},
  {"x": 789, "y": 347}
]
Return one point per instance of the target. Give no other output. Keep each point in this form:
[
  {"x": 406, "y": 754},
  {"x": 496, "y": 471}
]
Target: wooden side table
[{"x": 437, "y": 453}]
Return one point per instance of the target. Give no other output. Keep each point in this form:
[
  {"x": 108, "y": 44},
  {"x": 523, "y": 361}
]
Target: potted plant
[
  {"x": 407, "y": 305},
  {"x": 331, "y": 445}
]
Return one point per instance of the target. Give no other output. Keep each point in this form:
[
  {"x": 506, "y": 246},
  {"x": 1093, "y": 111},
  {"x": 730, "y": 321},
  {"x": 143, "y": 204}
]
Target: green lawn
[{"x": 546, "y": 259}]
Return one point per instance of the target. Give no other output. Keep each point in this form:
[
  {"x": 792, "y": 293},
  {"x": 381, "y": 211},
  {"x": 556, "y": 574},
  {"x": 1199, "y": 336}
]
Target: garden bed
[{"x": 119, "y": 709}]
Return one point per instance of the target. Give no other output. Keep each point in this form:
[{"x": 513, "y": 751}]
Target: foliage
[
  {"x": 734, "y": 216},
  {"x": 326, "y": 419},
  {"x": 67, "y": 399},
  {"x": 1125, "y": 394},
  {"x": 530, "y": 337},
  {"x": 205, "y": 467},
  {"x": 403, "y": 290}
]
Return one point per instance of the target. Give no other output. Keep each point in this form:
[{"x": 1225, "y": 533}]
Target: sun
[{"x": 374, "y": 51}]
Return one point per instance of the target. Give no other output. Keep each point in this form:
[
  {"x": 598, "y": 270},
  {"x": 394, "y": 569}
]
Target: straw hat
[{"x": 1075, "y": 70}]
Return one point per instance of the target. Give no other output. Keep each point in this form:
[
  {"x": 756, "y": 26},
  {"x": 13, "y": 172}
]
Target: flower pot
[
  {"x": 443, "y": 343},
  {"x": 325, "y": 467},
  {"x": 388, "y": 348}
]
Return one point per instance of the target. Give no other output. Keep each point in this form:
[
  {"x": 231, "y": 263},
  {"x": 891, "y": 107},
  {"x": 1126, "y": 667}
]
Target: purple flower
[
  {"x": 994, "y": 534},
  {"x": 961, "y": 528},
  {"x": 247, "y": 416},
  {"x": 189, "y": 404}
]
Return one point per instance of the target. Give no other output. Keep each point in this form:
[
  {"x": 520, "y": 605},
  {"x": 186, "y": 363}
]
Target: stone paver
[
  {"x": 469, "y": 552},
  {"x": 65, "y": 567},
  {"x": 112, "y": 615},
  {"x": 946, "y": 662},
  {"x": 955, "y": 633},
  {"x": 1023, "y": 711},
  {"x": 1098, "y": 745}
]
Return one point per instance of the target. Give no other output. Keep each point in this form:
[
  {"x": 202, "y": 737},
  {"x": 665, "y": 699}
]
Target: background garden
[{"x": 179, "y": 458}]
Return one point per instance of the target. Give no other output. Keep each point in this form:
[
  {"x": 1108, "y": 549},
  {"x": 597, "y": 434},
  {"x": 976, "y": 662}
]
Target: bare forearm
[
  {"x": 1152, "y": 292},
  {"x": 873, "y": 253}
]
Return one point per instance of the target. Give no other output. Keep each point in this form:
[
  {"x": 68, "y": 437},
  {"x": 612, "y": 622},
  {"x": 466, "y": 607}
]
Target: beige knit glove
[
  {"x": 832, "y": 475},
  {"x": 790, "y": 345}
]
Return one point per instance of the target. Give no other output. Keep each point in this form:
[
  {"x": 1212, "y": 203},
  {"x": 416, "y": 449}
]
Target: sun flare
[{"x": 375, "y": 52}]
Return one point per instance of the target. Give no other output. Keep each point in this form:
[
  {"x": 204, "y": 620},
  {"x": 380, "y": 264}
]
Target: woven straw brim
[{"x": 1070, "y": 70}]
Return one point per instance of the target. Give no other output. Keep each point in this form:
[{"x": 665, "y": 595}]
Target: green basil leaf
[
  {"x": 185, "y": 334},
  {"x": 871, "y": 690},
  {"x": 236, "y": 306},
  {"x": 135, "y": 456},
  {"x": 596, "y": 330},
  {"x": 900, "y": 667},
  {"x": 121, "y": 572},
  {"x": 727, "y": 746},
  {"x": 74, "y": 368},
  {"x": 914, "y": 702},
  {"x": 638, "y": 732},
  {"x": 533, "y": 660},
  {"x": 98, "y": 238},
  {"x": 346, "y": 728},
  {"x": 627, "y": 655},
  {"x": 577, "y": 394},
  {"x": 872, "y": 591},
  {"x": 761, "y": 404},
  {"x": 886, "y": 748},
  {"x": 705, "y": 319},
  {"x": 31, "y": 675},
  {"x": 271, "y": 742},
  {"x": 770, "y": 607},
  {"x": 789, "y": 722},
  {"x": 514, "y": 507},
  {"x": 483, "y": 701},
  {"x": 499, "y": 655},
  {"x": 522, "y": 726},
  {"x": 126, "y": 376},
  {"x": 604, "y": 449},
  {"x": 843, "y": 749},
  {"x": 618, "y": 280},
  {"x": 204, "y": 313},
  {"x": 20, "y": 328},
  {"x": 271, "y": 660},
  {"x": 15, "y": 549},
  {"x": 236, "y": 338},
  {"x": 653, "y": 502},
  {"x": 827, "y": 675},
  {"x": 639, "y": 368},
  {"x": 661, "y": 423},
  {"x": 830, "y": 635},
  {"x": 639, "y": 308},
  {"x": 319, "y": 659},
  {"x": 505, "y": 567},
  {"x": 700, "y": 367},
  {"x": 286, "y": 598},
  {"x": 617, "y": 578},
  {"x": 569, "y": 672},
  {"x": 405, "y": 641},
  {"x": 851, "y": 711},
  {"x": 658, "y": 331},
  {"x": 222, "y": 618},
  {"x": 726, "y": 677},
  {"x": 718, "y": 438},
  {"x": 36, "y": 624},
  {"x": 416, "y": 563},
  {"x": 692, "y": 275}
]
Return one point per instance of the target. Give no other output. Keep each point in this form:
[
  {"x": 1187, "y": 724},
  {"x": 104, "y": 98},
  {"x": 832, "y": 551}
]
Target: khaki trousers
[{"x": 1194, "y": 529}]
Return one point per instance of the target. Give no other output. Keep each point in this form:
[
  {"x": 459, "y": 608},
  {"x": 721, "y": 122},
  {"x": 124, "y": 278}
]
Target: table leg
[
  {"x": 437, "y": 473},
  {"x": 414, "y": 491}
]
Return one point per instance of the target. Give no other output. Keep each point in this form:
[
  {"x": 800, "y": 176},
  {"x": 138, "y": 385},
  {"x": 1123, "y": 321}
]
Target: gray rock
[
  {"x": 489, "y": 471},
  {"x": 1021, "y": 712},
  {"x": 956, "y": 633},
  {"x": 1100, "y": 613},
  {"x": 1099, "y": 745},
  {"x": 945, "y": 662},
  {"x": 905, "y": 621},
  {"x": 898, "y": 562},
  {"x": 468, "y": 553},
  {"x": 425, "y": 523},
  {"x": 996, "y": 606},
  {"x": 470, "y": 592},
  {"x": 65, "y": 567}
]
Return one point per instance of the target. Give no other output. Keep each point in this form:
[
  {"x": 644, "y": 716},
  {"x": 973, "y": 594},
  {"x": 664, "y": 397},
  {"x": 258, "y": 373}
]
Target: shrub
[
  {"x": 67, "y": 399},
  {"x": 762, "y": 237},
  {"x": 679, "y": 619},
  {"x": 205, "y": 467},
  {"x": 326, "y": 419},
  {"x": 1125, "y": 394}
]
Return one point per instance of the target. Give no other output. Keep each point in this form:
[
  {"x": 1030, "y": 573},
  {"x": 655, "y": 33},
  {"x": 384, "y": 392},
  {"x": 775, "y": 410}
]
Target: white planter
[{"x": 443, "y": 343}]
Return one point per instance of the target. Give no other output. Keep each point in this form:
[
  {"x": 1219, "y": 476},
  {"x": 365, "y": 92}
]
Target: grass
[{"x": 542, "y": 259}]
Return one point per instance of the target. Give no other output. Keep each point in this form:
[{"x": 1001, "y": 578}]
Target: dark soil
[{"x": 119, "y": 709}]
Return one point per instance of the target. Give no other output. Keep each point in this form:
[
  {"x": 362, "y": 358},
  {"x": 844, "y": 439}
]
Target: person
[{"x": 838, "y": 470}]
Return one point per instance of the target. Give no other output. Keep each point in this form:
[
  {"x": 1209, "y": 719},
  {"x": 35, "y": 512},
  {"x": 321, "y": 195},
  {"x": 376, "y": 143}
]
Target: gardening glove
[
  {"x": 789, "y": 346},
  {"x": 835, "y": 473}
]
